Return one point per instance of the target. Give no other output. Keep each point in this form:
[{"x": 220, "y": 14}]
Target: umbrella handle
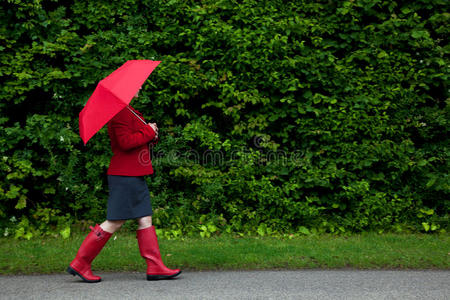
[
  {"x": 136, "y": 115},
  {"x": 150, "y": 146}
]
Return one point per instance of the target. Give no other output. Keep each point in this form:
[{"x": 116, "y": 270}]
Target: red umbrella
[{"x": 112, "y": 94}]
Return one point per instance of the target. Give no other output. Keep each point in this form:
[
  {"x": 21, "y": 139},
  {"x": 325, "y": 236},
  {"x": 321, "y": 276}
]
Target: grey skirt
[{"x": 129, "y": 198}]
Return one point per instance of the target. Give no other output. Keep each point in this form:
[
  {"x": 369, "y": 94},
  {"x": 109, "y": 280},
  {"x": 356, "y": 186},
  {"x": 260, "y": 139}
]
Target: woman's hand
[{"x": 155, "y": 129}]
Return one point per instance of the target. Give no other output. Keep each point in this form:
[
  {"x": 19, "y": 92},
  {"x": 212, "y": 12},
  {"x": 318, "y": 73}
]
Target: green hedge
[{"x": 275, "y": 116}]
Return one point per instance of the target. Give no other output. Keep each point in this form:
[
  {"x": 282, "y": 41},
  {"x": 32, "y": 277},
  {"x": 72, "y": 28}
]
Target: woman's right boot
[
  {"x": 149, "y": 249},
  {"x": 89, "y": 249}
]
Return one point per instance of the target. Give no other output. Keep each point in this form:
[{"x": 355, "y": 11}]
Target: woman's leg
[
  {"x": 149, "y": 249},
  {"x": 144, "y": 222},
  {"x": 90, "y": 248},
  {"x": 112, "y": 226}
]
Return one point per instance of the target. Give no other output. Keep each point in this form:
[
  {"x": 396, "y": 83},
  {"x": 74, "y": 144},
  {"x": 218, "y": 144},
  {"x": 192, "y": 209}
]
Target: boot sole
[
  {"x": 70, "y": 270},
  {"x": 162, "y": 277}
]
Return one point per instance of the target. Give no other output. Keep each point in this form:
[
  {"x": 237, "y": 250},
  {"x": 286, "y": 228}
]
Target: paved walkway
[{"x": 303, "y": 284}]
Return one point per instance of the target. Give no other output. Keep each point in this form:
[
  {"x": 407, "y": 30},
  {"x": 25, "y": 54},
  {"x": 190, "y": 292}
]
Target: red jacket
[{"x": 130, "y": 139}]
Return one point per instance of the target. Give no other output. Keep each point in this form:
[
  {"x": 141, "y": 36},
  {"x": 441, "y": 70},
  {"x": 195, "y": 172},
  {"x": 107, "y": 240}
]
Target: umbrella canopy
[{"x": 112, "y": 94}]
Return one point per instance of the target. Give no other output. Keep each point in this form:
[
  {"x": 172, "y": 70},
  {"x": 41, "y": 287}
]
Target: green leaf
[
  {"x": 420, "y": 34},
  {"x": 28, "y": 235},
  {"x": 429, "y": 211},
  {"x": 22, "y": 203},
  {"x": 426, "y": 226},
  {"x": 212, "y": 228},
  {"x": 405, "y": 10},
  {"x": 431, "y": 182},
  {"x": 422, "y": 162},
  {"x": 382, "y": 54},
  {"x": 65, "y": 233},
  {"x": 304, "y": 230},
  {"x": 13, "y": 192},
  {"x": 49, "y": 190},
  {"x": 261, "y": 230}
]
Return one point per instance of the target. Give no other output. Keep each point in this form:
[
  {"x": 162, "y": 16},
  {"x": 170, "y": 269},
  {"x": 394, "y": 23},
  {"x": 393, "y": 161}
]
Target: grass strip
[{"x": 121, "y": 253}]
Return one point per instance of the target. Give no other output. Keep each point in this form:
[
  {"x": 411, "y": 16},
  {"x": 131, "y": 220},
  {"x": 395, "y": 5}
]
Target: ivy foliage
[{"x": 275, "y": 116}]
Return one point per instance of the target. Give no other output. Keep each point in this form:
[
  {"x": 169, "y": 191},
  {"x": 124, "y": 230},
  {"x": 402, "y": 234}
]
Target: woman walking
[{"x": 129, "y": 197}]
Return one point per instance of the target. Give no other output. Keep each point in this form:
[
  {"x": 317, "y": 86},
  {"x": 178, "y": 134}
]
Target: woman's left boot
[{"x": 89, "y": 249}]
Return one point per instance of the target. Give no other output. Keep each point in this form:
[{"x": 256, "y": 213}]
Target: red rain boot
[
  {"x": 148, "y": 246},
  {"x": 89, "y": 249}
]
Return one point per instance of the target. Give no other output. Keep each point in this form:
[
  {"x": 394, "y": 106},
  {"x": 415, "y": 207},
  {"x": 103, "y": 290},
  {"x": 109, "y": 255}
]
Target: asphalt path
[{"x": 302, "y": 284}]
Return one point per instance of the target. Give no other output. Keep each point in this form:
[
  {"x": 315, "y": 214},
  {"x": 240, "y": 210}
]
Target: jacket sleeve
[{"x": 126, "y": 138}]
